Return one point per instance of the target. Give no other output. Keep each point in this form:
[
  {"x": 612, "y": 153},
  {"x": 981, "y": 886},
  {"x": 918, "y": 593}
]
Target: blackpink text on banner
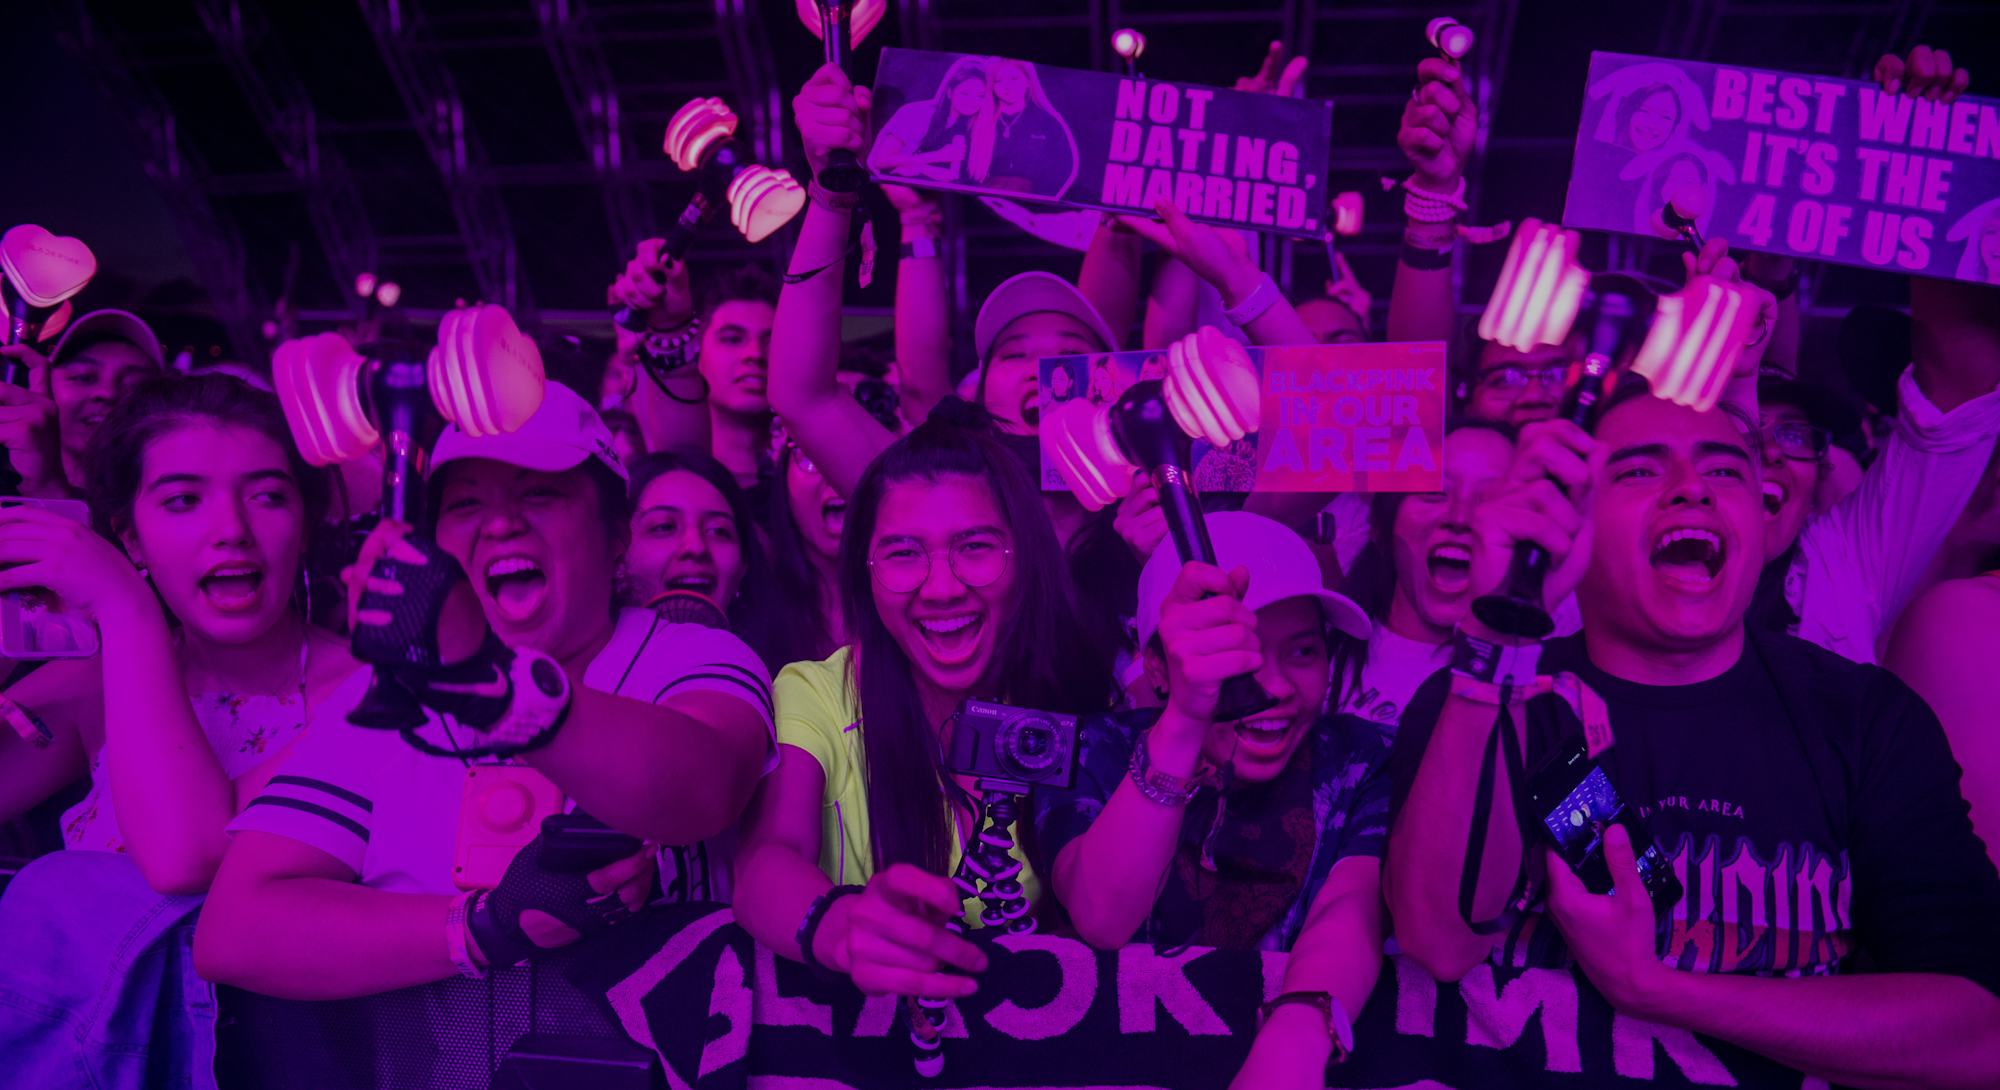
[
  {"x": 1828, "y": 169},
  {"x": 1035, "y": 133}
]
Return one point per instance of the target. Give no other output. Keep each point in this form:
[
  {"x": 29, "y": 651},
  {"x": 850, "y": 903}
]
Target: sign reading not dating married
[
  {"x": 1034, "y": 133},
  {"x": 1829, "y": 169},
  {"x": 1334, "y": 417}
]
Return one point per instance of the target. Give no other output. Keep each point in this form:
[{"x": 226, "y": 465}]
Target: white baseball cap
[
  {"x": 1035, "y": 293},
  {"x": 108, "y": 325},
  {"x": 1281, "y": 566},
  {"x": 563, "y": 433}
]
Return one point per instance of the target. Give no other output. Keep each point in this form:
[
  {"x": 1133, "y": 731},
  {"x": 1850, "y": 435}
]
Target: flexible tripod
[{"x": 987, "y": 870}]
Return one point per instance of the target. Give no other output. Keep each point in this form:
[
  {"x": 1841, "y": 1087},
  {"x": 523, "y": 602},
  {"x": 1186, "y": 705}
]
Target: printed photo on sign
[
  {"x": 1334, "y": 417},
  {"x": 1828, "y": 169},
  {"x": 1042, "y": 135}
]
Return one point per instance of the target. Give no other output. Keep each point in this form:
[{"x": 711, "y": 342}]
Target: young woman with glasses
[{"x": 952, "y": 583}]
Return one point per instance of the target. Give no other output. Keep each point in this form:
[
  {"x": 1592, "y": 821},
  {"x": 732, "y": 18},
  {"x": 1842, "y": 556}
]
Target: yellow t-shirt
[{"x": 817, "y": 713}]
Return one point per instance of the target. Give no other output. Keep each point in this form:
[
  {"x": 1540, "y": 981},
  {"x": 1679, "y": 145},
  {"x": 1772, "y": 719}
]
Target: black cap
[{"x": 1823, "y": 407}]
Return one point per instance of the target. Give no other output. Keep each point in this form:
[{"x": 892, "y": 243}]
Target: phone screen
[{"x": 1577, "y": 804}]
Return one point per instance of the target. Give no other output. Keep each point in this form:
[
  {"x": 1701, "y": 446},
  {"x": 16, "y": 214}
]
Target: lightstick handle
[
  {"x": 843, "y": 172},
  {"x": 1242, "y": 696},
  {"x": 14, "y": 373},
  {"x": 680, "y": 237}
]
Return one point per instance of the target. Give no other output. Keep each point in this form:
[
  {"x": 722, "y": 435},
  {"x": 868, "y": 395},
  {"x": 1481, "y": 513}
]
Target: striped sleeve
[
  {"x": 324, "y": 794},
  {"x": 677, "y": 659}
]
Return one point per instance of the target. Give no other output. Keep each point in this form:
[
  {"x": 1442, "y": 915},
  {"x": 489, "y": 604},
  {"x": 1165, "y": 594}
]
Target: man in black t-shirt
[{"x": 1838, "y": 916}]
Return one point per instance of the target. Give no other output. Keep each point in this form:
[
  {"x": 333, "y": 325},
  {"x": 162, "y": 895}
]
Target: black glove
[
  {"x": 495, "y": 917},
  {"x": 498, "y": 702}
]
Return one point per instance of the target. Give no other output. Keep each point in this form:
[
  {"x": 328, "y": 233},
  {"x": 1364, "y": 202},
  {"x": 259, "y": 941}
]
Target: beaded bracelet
[
  {"x": 1425, "y": 206},
  {"x": 1159, "y": 787}
]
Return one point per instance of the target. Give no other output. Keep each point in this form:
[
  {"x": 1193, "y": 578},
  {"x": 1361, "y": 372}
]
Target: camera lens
[{"x": 1027, "y": 744}]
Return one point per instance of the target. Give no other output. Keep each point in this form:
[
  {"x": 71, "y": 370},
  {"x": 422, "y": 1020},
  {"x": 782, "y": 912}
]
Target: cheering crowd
[{"x": 1770, "y": 623}]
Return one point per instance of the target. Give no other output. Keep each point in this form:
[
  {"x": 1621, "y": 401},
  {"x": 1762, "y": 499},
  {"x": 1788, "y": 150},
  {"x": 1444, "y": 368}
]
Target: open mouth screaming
[
  {"x": 233, "y": 587},
  {"x": 516, "y": 585},
  {"x": 1450, "y": 566},
  {"x": 1689, "y": 558}
]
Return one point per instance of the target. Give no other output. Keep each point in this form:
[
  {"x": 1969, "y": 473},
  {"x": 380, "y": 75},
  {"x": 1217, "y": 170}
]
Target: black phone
[
  {"x": 1574, "y": 803},
  {"x": 577, "y": 843}
]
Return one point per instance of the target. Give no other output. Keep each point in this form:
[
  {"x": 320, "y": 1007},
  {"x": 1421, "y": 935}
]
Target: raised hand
[
  {"x": 1439, "y": 124},
  {"x": 1926, "y": 73},
  {"x": 1209, "y": 636},
  {"x": 1275, "y": 76},
  {"x": 832, "y": 114},
  {"x": 660, "y": 293}
]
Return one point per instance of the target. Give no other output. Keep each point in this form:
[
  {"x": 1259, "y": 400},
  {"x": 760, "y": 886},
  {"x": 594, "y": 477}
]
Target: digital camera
[{"x": 1020, "y": 745}]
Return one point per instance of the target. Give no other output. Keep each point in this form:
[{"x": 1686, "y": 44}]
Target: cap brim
[
  {"x": 1035, "y": 293},
  {"x": 1823, "y": 407},
  {"x": 101, "y": 325}
]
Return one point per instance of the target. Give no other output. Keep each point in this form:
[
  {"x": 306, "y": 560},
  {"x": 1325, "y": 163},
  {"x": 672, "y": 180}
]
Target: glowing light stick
[
  {"x": 1347, "y": 214},
  {"x": 1540, "y": 287},
  {"x": 861, "y": 17},
  {"x": 43, "y": 271},
  {"x": 1451, "y": 38},
  {"x": 1697, "y": 335},
  {"x": 1130, "y": 45},
  {"x": 1212, "y": 393},
  {"x": 319, "y": 380},
  {"x": 763, "y": 199}
]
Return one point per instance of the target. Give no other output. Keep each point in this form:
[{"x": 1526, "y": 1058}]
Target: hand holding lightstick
[
  {"x": 1540, "y": 293},
  {"x": 841, "y": 25},
  {"x": 1451, "y": 38},
  {"x": 700, "y": 139},
  {"x": 1211, "y": 392},
  {"x": 42, "y": 272}
]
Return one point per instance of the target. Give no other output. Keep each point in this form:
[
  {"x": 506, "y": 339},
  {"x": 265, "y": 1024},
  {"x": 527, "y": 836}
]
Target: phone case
[
  {"x": 500, "y": 810},
  {"x": 33, "y": 624}
]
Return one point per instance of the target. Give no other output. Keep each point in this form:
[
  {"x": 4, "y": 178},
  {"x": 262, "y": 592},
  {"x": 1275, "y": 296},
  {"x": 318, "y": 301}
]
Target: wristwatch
[
  {"x": 1339, "y": 1030},
  {"x": 1493, "y": 661}
]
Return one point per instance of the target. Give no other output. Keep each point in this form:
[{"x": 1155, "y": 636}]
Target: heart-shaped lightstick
[
  {"x": 319, "y": 380},
  {"x": 1211, "y": 393},
  {"x": 1697, "y": 335},
  {"x": 701, "y": 140},
  {"x": 840, "y": 26},
  {"x": 1541, "y": 293},
  {"x": 1451, "y": 38},
  {"x": 763, "y": 199},
  {"x": 1130, "y": 45},
  {"x": 1682, "y": 213},
  {"x": 43, "y": 271}
]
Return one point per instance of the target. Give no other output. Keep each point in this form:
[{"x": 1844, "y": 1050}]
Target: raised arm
[
  {"x": 923, "y": 306},
  {"x": 667, "y": 396},
  {"x": 820, "y": 416},
  {"x": 1222, "y": 259},
  {"x": 1439, "y": 125},
  {"x": 1338, "y": 952},
  {"x": 1110, "y": 275}
]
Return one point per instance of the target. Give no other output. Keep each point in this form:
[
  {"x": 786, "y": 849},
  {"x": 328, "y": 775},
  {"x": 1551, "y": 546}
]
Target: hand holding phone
[
  {"x": 1575, "y": 806},
  {"x": 56, "y": 573}
]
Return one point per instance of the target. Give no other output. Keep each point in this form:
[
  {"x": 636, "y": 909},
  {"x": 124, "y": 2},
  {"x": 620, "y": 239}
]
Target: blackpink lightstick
[
  {"x": 700, "y": 139},
  {"x": 1686, "y": 343},
  {"x": 1211, "y": 392},
  {"x": 1452, "y": 39},
  {"x": 1130, "y": 45},
  {"x": 840, "y": 25},
  {"x": 42, "y": 272}
]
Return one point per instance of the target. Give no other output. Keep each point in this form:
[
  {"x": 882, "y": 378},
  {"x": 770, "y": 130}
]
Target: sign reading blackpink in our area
[
  {"x": 1828, "y": 169},
  {"x": 1334, "y": 417},
  {"x": 1033, "y": 133}
]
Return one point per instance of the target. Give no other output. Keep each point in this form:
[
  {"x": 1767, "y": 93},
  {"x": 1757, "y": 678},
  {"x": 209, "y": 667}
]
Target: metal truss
[{"x": 438, "y": 114}]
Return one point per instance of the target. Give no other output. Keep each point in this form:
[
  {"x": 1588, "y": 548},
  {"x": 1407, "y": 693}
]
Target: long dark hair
[
  {"x": 1044, "y": 660},
  {"x": 807, "y": 634},
  {"x": 751, "y": 612},
  {"x": 164, "y": 403}
]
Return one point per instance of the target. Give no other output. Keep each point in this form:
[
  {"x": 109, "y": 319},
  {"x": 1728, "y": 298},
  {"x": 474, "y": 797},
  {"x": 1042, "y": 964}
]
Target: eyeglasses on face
[
  {"x": 1796, "y": 440},
  {"x": 902, "y": 565},
  {"x": 1515, "y": 379}
]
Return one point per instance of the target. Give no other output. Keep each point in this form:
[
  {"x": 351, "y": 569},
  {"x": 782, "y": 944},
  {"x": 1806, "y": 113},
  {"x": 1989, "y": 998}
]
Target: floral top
[{"x": 244, "y": 732}]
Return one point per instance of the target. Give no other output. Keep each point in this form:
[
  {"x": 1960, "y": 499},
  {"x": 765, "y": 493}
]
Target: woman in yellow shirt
[{"x": 953, "y": 584}]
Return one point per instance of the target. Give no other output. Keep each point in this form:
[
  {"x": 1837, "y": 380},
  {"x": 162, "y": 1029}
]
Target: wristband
[
  {"x": 831, "y": 201},
  {"x": 1494, "y": 663},
  {"x": 1159, "y": 787},
  {"x": 26, "y": 723},
  {"x": 1427, "y": 206},
  {"x": 1423, "y": 258},
  {"x": 1261, "y": 298},
  {"x": 918, "y": 248},
  {"x": 456, "y": 935},
  {"x": 1339, "y": 1030},
  {"x": 809, "y": 928}
]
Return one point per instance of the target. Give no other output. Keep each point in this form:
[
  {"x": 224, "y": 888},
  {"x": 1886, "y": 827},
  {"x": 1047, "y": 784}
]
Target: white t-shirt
[
  {"x": 1396, "y": 666},
  {"x": 391, "y": 812}
]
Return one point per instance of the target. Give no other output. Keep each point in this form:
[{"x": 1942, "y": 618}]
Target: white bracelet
[
  {"x": 456, "y": 935},
  {"x": 1261, "y": 298},
  {"x": 1425, "y": 206}
]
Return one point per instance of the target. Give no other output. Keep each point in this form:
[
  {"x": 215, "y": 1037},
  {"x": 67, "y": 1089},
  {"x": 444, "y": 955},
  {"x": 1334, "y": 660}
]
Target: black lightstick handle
[
  {"x": 1242, "y": 696},
  {"x": 843, "y": 172},
  {"x": 674, "y": 247},
  {"x": 20, "y": 324},
  {"x": 1517, "y": 610}
]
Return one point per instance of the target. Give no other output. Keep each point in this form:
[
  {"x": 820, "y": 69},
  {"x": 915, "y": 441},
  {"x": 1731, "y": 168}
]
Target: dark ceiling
[{"x": 509, "y": 150}]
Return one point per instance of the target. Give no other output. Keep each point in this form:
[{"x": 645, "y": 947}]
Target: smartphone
[
  {"x": 500, "y": 810},
  {"x": 33, "y": 622},
  {"x": 577, "y": 843},
  {"x": 1574, "y": 802}
]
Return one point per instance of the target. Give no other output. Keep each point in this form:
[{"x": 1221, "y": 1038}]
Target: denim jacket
[{"x": 97, "y": 980}]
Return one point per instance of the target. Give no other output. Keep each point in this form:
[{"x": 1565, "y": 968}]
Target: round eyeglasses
[
  {"x": 1797, "y": 440},
  {"x": 903, "y": 566}
]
